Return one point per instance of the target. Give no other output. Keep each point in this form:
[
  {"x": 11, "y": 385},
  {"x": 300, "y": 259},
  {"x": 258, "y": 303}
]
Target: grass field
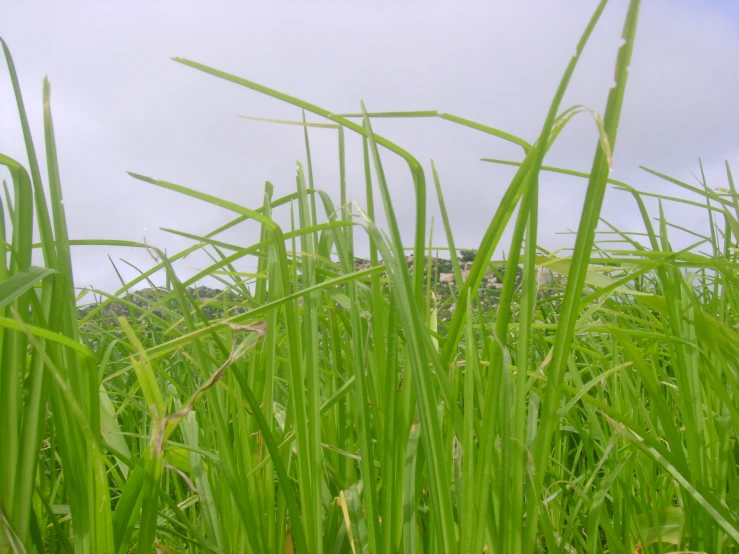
[{"x": 330, "y": 409}]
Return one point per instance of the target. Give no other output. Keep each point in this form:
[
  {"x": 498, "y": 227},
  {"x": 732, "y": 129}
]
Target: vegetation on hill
[{"x": 151, "y": 304}]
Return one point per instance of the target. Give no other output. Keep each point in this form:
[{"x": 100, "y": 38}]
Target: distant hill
[{"x": 147, "y": 303}]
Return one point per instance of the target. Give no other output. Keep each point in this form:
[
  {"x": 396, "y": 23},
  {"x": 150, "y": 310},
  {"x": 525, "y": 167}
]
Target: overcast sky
[{"x": 120, "y": 103}]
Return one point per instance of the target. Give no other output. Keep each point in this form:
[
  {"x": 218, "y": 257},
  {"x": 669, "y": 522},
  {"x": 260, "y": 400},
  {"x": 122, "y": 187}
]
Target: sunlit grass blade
[
  {"x": 581, "y": 255},
  {"x": 416, "y": 170}
]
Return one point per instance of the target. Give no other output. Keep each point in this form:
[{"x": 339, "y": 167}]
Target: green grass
[{"x": 331, "y": 409}]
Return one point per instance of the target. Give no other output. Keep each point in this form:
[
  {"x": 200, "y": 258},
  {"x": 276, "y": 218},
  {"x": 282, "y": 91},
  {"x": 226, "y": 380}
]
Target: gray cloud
[{"x": 120, "y": 104}]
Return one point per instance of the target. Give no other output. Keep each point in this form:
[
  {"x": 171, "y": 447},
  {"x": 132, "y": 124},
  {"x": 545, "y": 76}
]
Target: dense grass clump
[{"x": 330, "y": 404}]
